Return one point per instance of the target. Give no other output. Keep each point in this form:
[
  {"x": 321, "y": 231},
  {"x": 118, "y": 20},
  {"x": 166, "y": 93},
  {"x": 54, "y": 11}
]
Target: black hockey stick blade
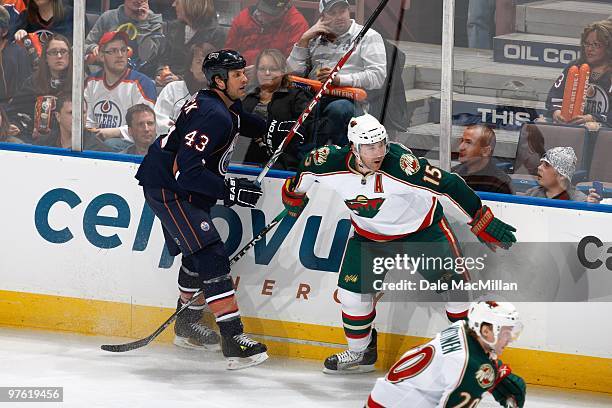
[{"x": 120, "y": 348}]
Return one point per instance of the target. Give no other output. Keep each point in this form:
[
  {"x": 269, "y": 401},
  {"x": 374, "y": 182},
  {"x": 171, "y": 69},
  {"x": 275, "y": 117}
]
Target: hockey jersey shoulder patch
[
  {"x": 325, "y": 159},
  {"x": 409, "y": 164},
  {"x": 318, "y": 156}
]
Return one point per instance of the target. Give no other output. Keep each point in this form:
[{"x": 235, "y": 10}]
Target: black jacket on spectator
[
  {"x": 15, "y": 67},
  {"x": 176, "y": 51},
  {"x": 286, "y": 105},
  {"x": 22, "y": 108},
  {"x": 490, "y": 178}
]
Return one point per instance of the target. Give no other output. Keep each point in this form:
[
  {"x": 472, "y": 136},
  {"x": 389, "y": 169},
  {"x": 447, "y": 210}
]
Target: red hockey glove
[
  {"x": 294, "y": 202},
  {"x": 492, "y": 231},
  {"x": 509, "y": 389}
]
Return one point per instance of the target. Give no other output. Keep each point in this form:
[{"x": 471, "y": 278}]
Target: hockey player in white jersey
[
  {"x": 458, "y": 366},
  {"x": 393, "y": 197}
]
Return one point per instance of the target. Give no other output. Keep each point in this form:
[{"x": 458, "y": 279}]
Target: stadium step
[
  {"x": 476, "y": 73},
  {"x": 419, "y": 103},
  {"x": 426, "y": 137},
  {"x": 560, "y": 17},
  {"x": 535, "y": 49}
]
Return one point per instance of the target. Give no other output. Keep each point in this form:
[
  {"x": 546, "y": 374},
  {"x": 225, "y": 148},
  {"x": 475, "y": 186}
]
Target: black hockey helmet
[{"x": 219, "y": 63}]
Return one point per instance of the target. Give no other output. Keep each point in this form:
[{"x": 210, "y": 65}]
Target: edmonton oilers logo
[
  {"x": 227, "y": 156},
  {"x": 107, "y": 114}
]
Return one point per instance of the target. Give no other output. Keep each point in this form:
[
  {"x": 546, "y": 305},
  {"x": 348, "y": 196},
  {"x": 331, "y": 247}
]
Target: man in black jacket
[{"x": 478, "y": 167}]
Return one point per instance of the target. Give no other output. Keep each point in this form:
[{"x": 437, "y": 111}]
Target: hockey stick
[
  {"x": 317, "y": 97},
  {"x": 120, "y": 348}
]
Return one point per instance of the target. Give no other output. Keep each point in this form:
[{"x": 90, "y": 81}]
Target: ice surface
[{"x": 161, "y": 375}]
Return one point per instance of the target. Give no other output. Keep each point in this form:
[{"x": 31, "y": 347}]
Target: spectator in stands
[
  {"x": 141, "y": 125},
  {"x": 318, "y": 51},
  {"x": 7, "y": 131},
  {"x": 530, "y": 151},
  {"x": 555, "y": 174},
  {"x": 269, "y": 24},
  {"x": 15, "y": 65},
  {"x": 174, "y": 95},
  {"x": 196, "y": 24},
  {"x": 280, "y": 106},
  {"x": 143, "y": 27},
  {"x": 61, "y": 135},
  {"x": 110, "y": 93},
  {"x": 33, "y": 106},
  {"x": 477, "y": 165},
  {"x": 596, "y": 50},
  {"x": 44, "y": 15}
]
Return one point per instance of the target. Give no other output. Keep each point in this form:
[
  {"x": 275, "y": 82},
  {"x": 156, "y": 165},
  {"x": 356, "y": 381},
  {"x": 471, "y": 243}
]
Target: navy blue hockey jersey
[{"x": 201, "y": 144}]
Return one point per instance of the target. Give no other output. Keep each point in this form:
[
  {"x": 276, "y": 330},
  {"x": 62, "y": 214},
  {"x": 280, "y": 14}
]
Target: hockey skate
[
  {"x": 353, "y": 362},
  {"x": 243, "y": 352},
  {"x": 190, "y": 333}
]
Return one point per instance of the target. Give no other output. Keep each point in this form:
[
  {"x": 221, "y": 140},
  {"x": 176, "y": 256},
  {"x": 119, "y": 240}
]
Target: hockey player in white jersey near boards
[
  {"x": 458, "y": 366},
  {"x": 393, "y": 197}
]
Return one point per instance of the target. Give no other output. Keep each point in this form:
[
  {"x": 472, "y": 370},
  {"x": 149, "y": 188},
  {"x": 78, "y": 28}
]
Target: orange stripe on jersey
[
  {"x": 173, "y": 219},
  {"x": 187, "y": 220}
]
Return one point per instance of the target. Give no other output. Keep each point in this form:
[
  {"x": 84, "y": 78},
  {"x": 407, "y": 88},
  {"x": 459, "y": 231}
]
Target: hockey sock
[
  {"x": 456, "y": 311},
  {"x": 358, "y": 313},
  {"x": 189, "y": 283},
  {"x": 222, "y": 302}
]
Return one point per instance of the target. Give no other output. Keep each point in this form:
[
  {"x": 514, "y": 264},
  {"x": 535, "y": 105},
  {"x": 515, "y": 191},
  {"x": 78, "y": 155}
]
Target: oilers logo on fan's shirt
[
  {"x": 107, "y": 114},
  {"x": 107, "y": 104},
  {"x": 598, "y": 96},
  {"x": 597, "y": 101}
]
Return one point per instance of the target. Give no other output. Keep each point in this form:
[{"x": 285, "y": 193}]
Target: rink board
[{"x": 82, "y": 253}]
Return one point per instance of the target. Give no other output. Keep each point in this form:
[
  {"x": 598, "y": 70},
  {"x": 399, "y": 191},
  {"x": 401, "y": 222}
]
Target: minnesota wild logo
[
  {"x": 318, "y": 156},
  {"x": 409, "y": 163},
  {"x": 364, "y": 206},
  {"x": 485, "y": 376}
]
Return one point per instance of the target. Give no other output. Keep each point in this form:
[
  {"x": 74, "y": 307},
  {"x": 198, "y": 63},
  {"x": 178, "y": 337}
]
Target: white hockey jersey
[
  {"x": 107, "y": 104},
  {"x": 399, "y": 199},
  {"x": 451, "y": 371}
]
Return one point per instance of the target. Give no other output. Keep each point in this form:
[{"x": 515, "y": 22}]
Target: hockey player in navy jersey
[{"x": 183, "y": 176}]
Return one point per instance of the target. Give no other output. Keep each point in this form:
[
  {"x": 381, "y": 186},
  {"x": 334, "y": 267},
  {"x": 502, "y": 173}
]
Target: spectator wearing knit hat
[{"x": 555, "y": 174}]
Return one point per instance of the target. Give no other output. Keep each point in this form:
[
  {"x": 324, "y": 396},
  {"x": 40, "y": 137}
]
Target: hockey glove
[
  {"x": 277, "y": 131},
  {"x": 509, "y": 389},
  {"x": 294, "y": 202},
  {"x": 492, "y": 231},
  {"x": 241, "y": 191}
]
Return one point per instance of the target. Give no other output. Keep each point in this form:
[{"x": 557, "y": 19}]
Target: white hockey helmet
[
  {"x": 498, "y": 315},
  {"x": 365, "y": 129}
]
